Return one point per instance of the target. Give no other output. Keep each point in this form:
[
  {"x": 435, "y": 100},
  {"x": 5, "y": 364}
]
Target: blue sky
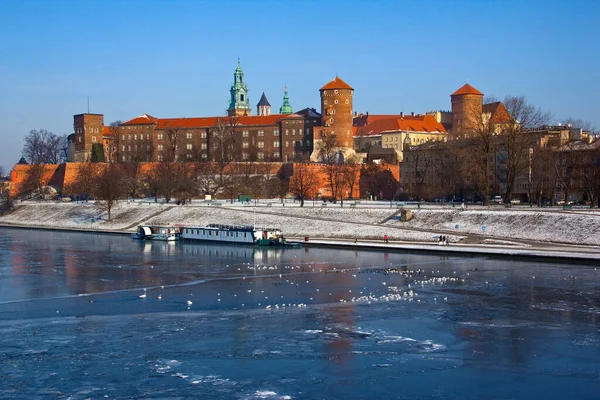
[{"x": 177, "y": 58}]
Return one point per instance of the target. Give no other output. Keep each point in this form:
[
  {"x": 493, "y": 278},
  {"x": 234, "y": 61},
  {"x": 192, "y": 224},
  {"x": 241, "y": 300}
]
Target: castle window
[
  {"x": 147, "y": 136},
  {"x": 331, "y": 120},
  {"x": 287, "y": 144},
  {"x": 79, "y": 139},
  {"x": 160, "y": 147},
  {"x": 245, "y": 133},
  {"x": 203, "y": 145},
  {"x": 261, "y": 156},
  {"x": 287, "y": 132},
  {"x": 135, "y": 147},
  {"x": 245, "y": 145},
  {"x": 188, "y": 135},
  {"x": 245, "y": 156},
  {"x": 124, "y": 159},
  {"x": 129, "y": 136},
  {"x": 188, "y": 156},
  {"x": 324, "y": 91},
  {"x": 204, "y": 155},
  {"x": 135, "y": 137},
  {"x": 275, "y": 132},
  {"x": 261, "y": 145},
  {"x": 261, "y": 133},
  {"x": 160, "y": 136},
  {"x": 325, "y": 101},
  {"x": 276, "y": 144},
  {"x": 335, "y": 101},
  {"x": 333, "y": 110},
  {"x": 160, "y": 157},
  {"x": 347, "y": 101},
  {"x": 123, "y": 147},
  {"x": 241, "y": 97},
  {"x": 335, "y": 91},
  {"x": 203, "y": 135},
  {"x": 189, "y": 146},
  {"x": 128, "y": 148},
  {"x": 293, "y": 132}
]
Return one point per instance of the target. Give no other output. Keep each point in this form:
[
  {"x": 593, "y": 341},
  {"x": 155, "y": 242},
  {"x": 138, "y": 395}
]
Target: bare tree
[
  {"x": 224, "y": 144},
  {"x": 44, "y": 147},
  {"x": 543, "y": 175},
  {"x": 351, "y": 173},
  {"x": 303, "y": 183},
  {"x": 34, "y": 181},
  {"x": 579, "y": 123},
  {"x": 108, "y": 188},
  {"x": 85, "y": 182},
  {"x": 517, "y": 139},
  {"x": 589, "y": 173}
]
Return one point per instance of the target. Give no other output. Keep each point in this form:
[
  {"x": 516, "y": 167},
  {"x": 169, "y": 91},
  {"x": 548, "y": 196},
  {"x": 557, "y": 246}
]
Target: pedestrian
[{"x": 385, "y": 238}]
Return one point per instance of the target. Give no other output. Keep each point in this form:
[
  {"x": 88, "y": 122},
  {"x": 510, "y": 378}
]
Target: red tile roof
[
  {"x": 366, "y": 119},
  {"x": 206, "y": 122},
  {"x": 417, "y": 123},
  {"x": 467, "y": 89},
  {"x": 106, "y": 131},
  {"x": 337, "y": 83},
  {"x": 498, "y": 111},
  {"x": 141, "y": 120}
]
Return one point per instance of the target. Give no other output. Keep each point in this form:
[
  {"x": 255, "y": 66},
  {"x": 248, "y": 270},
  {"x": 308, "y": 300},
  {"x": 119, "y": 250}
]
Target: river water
[{"x": 93, "y": 316}]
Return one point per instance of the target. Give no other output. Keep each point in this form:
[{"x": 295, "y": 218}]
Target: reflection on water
[{"x": 92, "y": 316}]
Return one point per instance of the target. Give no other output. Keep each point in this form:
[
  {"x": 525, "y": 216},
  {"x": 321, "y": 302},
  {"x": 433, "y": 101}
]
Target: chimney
[
  {"x": 367, "y": 113},
  {"x": 412, "y": 114},
  {"x": 401, "y": 114}
]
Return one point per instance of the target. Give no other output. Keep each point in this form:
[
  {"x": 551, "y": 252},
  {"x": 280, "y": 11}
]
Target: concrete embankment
[{"x": 519, "y": 232}]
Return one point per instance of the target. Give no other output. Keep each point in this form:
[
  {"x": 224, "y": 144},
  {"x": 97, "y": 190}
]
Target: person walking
[{"x": 385, "y": 238}]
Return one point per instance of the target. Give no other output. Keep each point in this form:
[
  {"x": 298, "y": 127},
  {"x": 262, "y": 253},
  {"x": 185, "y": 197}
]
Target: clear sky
[{"x": 177, "y": 58}]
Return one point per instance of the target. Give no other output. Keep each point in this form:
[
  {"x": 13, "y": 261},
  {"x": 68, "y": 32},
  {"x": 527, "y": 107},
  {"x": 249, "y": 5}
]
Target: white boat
[
  {"x": 234, "y": 234},
  {"x": 163, "y": 233}
]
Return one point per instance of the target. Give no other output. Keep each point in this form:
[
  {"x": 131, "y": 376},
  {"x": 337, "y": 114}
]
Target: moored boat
[
  {"x": 152, "y": 232},
  {"x": 234, "y": 234}
]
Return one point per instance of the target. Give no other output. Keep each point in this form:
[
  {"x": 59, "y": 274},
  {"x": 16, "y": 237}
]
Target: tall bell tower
[
  {"x": 336, "y": 118},
  {"x": 239, "y": 104}
]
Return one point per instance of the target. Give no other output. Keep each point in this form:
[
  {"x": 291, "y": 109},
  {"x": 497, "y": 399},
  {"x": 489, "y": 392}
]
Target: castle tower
[
  {"x": 285, "y": 108},
  {"x": 466, "y": 109},
  {"x": 263, "y": 107},
  {"x": 239, "y": 104},
  {"x": 88, "y": 129},
  {"x": 336, "y": 116}
]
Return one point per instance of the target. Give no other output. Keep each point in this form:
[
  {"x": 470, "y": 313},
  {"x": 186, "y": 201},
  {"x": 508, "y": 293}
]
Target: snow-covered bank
[{"x": 361, "y": 221}]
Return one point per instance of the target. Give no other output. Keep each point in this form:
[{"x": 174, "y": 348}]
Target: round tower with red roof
[
  {"x": 467, "y": 105},
  {"x": 336, "y": 116}
]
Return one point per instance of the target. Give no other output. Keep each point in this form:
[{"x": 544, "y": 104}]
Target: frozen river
[{"x": 91, "y": 316}]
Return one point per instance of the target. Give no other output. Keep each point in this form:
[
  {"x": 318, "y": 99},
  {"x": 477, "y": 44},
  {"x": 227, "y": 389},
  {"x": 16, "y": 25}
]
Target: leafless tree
[
  {"x": 108, "y": 188},
  {"x": 517, "y": 139},
  {"x": 589, "y": 173},
  {"x": 173, "y": 140},
  {"x": 33, "y": 182},
  {"x": 44, "y": 147},
  {"x": 543, "y": 175},
  {"x": 224, "y": 144},
  {"x": 579, "y": 123},
  {"x": 85, "y": 182},
  {"x": 568, "y": 162},
  {"x": 303, "y": 183}
]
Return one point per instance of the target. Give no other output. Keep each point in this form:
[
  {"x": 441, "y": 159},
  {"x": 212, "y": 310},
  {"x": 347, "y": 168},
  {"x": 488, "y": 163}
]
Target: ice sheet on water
[{"x": 267, "y": 395}]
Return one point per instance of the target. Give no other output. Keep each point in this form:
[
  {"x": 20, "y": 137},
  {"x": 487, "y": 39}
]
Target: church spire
[
  {"x": 263, "y": 107},
  {"x": 239, "y": 104},
  {"x": 286, "y": 108}
]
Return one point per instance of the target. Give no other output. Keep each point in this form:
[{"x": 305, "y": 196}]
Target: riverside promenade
[{"x": 491, "y": 231}]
